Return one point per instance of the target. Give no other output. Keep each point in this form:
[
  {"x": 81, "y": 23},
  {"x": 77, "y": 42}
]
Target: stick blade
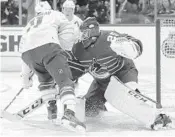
[{"x": 11, "y": 117}]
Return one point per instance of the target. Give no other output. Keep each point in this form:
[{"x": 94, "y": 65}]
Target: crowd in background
[
  {"x": 166, "y": 7},
  {"x": 9, "y": 13},
  {"x": 127, "y": 11}
]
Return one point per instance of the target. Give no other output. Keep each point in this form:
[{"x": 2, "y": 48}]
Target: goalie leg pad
[{"x": 130, "y": 102}]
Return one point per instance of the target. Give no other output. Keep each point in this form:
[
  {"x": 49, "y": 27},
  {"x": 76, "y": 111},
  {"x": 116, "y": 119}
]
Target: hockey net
[{"x": 166, "y": 62}]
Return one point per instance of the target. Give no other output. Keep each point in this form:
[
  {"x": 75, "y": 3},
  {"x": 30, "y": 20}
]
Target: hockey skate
[
  {"x": 71, "y": 122},
  {"x": 161, "y": 121},
  {"x": 52, "y": 109}
]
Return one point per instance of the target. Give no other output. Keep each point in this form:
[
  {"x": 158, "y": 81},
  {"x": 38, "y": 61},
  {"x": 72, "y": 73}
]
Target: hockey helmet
[
  {"x": 89, "y": 29},
  {"x": 68, "y": 8},
  {"x": 42, "y": 6},
  {"x": 69, "y": 4}
]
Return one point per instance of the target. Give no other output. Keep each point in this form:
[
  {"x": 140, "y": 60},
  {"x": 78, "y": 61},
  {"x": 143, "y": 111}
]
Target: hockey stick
[
  {"x": 31, "y": 107},
  {"x": 24, "y": 112},
  {"x": 13, "y": 99},
  {"x": 16, "y": 96},
  {"x": 136, "y": 91}
]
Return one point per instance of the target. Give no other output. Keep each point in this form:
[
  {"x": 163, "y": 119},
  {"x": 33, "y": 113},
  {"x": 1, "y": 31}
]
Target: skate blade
[{"x": 67, "y": 124}]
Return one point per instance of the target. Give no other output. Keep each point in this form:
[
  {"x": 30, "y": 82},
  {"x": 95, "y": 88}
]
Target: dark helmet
[{"x": 89, "y": 28}]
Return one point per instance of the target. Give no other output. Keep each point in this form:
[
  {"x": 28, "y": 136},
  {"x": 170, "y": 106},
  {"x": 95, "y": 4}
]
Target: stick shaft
[{"x": 13, "y": 99}]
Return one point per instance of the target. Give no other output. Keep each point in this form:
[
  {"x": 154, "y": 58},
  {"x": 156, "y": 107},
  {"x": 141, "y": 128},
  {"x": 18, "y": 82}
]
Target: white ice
[{"x": 108, "y": 124}]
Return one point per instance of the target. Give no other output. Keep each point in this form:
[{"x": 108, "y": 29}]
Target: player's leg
[
  {"x": 128, "y": 100},
  {"x": 77, "y": 70},
  {"x": 47, "y": 84},
  {"x": 57, "y": 65}
]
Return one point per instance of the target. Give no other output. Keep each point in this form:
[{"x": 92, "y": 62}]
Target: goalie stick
[{"x": 136, "y": 91}]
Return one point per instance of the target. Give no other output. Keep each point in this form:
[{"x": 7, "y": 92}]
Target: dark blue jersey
[{"x": 100, "y": 51}]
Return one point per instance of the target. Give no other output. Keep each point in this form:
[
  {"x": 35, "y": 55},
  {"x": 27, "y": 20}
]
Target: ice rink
[{"x": 112, "y": 123}]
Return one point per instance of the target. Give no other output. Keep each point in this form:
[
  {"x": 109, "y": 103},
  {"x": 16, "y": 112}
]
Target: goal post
[
  {"x": 165, "y": 62},
  {"x": 158, "y": 65}
]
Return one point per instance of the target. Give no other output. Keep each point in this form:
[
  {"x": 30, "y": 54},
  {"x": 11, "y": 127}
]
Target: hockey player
[
  {"x": 43, "y": 53},
  {"x": 108, "y": 56},
  {"x": 68, "y": 10}
]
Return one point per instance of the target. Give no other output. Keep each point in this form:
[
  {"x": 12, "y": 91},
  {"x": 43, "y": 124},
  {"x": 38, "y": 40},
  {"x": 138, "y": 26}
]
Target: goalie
[{"x": 108, "y": 56}]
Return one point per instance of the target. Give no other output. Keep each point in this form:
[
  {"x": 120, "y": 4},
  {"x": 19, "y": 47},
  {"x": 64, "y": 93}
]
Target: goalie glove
[
  {"x": 127, "y": 46},
  {"x": 98, "y": 71}
]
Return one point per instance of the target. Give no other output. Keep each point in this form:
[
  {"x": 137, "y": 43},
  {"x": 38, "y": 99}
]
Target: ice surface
[{"x": 107, "y": 124}]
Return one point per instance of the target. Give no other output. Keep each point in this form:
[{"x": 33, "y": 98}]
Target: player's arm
[{"x": 125, "y": 45}]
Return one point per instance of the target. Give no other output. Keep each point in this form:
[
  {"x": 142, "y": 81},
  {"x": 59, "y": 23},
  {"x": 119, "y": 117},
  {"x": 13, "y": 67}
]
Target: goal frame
[
  {"x": 158, "y": 58},
  {"x": 158, "y": 65}
]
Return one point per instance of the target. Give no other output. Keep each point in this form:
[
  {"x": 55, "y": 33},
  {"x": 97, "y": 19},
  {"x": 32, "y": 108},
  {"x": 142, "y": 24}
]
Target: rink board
[{"x": 10, "y": 38}]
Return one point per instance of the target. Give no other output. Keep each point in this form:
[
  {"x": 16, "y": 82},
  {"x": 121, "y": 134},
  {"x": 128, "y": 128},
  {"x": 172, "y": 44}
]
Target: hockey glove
[
  {"x": 98, "y": 70},
  {"x": 27, "y": 81}
]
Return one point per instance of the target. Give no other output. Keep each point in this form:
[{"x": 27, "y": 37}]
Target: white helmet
[
  {"x": 69, "y": 4},
  {"x": 42, "y": 7}
]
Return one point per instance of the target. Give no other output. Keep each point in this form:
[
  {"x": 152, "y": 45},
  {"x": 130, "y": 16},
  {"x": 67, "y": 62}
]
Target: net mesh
[
  {"x": 168, "y": 38},
  {"x": 167, "y": 60}
]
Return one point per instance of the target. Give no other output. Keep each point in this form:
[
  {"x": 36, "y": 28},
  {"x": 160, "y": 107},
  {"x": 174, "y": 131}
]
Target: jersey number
[
  {"x": 111, "y": 38},
  {"x": 35, "y": 22}
]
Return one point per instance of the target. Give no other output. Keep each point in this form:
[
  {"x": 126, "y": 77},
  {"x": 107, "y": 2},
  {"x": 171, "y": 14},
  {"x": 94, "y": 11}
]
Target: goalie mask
[{"x": 90, "y": 30}]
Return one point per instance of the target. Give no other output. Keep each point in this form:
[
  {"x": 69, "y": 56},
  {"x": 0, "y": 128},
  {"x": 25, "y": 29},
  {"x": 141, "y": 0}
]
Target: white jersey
[
  {"x": 77, "y": 22},
  {"x": 44, "y": 28}
]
